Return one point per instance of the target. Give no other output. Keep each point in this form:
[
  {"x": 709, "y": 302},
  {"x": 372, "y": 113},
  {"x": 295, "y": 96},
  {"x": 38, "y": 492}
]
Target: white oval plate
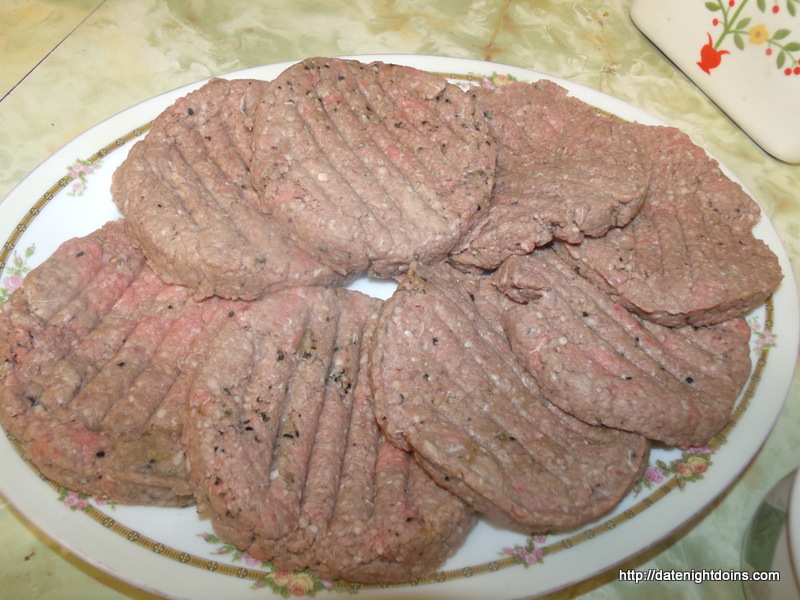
[{"x": 172, "y": 552}]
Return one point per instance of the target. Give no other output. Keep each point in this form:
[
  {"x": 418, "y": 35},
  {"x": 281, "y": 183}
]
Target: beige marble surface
[{"x": 65, "y": 65}]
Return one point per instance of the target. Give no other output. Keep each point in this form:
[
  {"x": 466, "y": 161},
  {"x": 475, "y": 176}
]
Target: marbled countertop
[{"x": 66, "y": 65}]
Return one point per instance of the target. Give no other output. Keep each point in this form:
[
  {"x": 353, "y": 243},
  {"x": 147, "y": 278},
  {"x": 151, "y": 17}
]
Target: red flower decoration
[{"x": 710, "y": 57}]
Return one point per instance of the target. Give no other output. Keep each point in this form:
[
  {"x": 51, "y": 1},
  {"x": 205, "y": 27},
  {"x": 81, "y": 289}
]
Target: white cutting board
[{"x": 743, "y": 54}]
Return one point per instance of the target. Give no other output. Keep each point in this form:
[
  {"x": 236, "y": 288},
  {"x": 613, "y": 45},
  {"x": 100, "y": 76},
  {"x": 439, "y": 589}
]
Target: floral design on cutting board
[{"x": 734, "y": 28}]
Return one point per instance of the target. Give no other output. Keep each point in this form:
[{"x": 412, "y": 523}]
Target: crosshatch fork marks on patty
[
  {"x": 187, "y": 196},
  {"x": 448, "y": 388},
  {"x": 371, "y": 166},
  {"x": 96, "y": 365},
  {"x": 285, "y": 455},
  {"x": 605, "y": 365}
]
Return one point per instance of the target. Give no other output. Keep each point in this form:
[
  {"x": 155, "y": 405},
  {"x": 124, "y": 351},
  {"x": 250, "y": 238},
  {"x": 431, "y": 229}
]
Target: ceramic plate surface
[
  {"x": 174, "y": 553},
  {"x": 744, "y": 54}
]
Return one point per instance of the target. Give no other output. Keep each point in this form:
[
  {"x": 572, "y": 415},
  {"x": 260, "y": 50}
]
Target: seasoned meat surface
[
  {"x": 689, "y": 256},
  {"x": 605, "y": 365},
  {"x": 285, "y": 455},
  {"x": 564, "y": 171},
  {"x": 97, "y": 353},
  {"x": 371, "y": 166},
  {"x": 189, "y": 202},
  {"x": 448, "y": 387}
]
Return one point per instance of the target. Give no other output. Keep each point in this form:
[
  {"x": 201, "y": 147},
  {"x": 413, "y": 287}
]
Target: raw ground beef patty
[
  {"x": 371, "y": 166},
  {"x": 96, "y": 356},
  {"x": 285, "y": 455},
  {"x": 187, "y": 196},
  {"x": 564, "y": 171},
  {"x": 447, "y": 387},
  {"x": 603, "y": 364},
  {"x": 689, "y": 256}
]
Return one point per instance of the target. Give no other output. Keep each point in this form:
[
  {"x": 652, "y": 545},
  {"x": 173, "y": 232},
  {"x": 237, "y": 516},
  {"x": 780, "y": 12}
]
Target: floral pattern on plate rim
[
  {"x": 659, "y": 475},
  {"x": 78, "y": 174},
  {"x": 15, "y": 272},
  {"x": 691, "y": 466},
  {"x": 284, "y": 583},
  {"x": 78, "y": 501}
]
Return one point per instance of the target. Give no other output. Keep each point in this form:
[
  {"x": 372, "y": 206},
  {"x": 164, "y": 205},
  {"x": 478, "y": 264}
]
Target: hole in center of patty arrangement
[{"x": 372, "y": 286}]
